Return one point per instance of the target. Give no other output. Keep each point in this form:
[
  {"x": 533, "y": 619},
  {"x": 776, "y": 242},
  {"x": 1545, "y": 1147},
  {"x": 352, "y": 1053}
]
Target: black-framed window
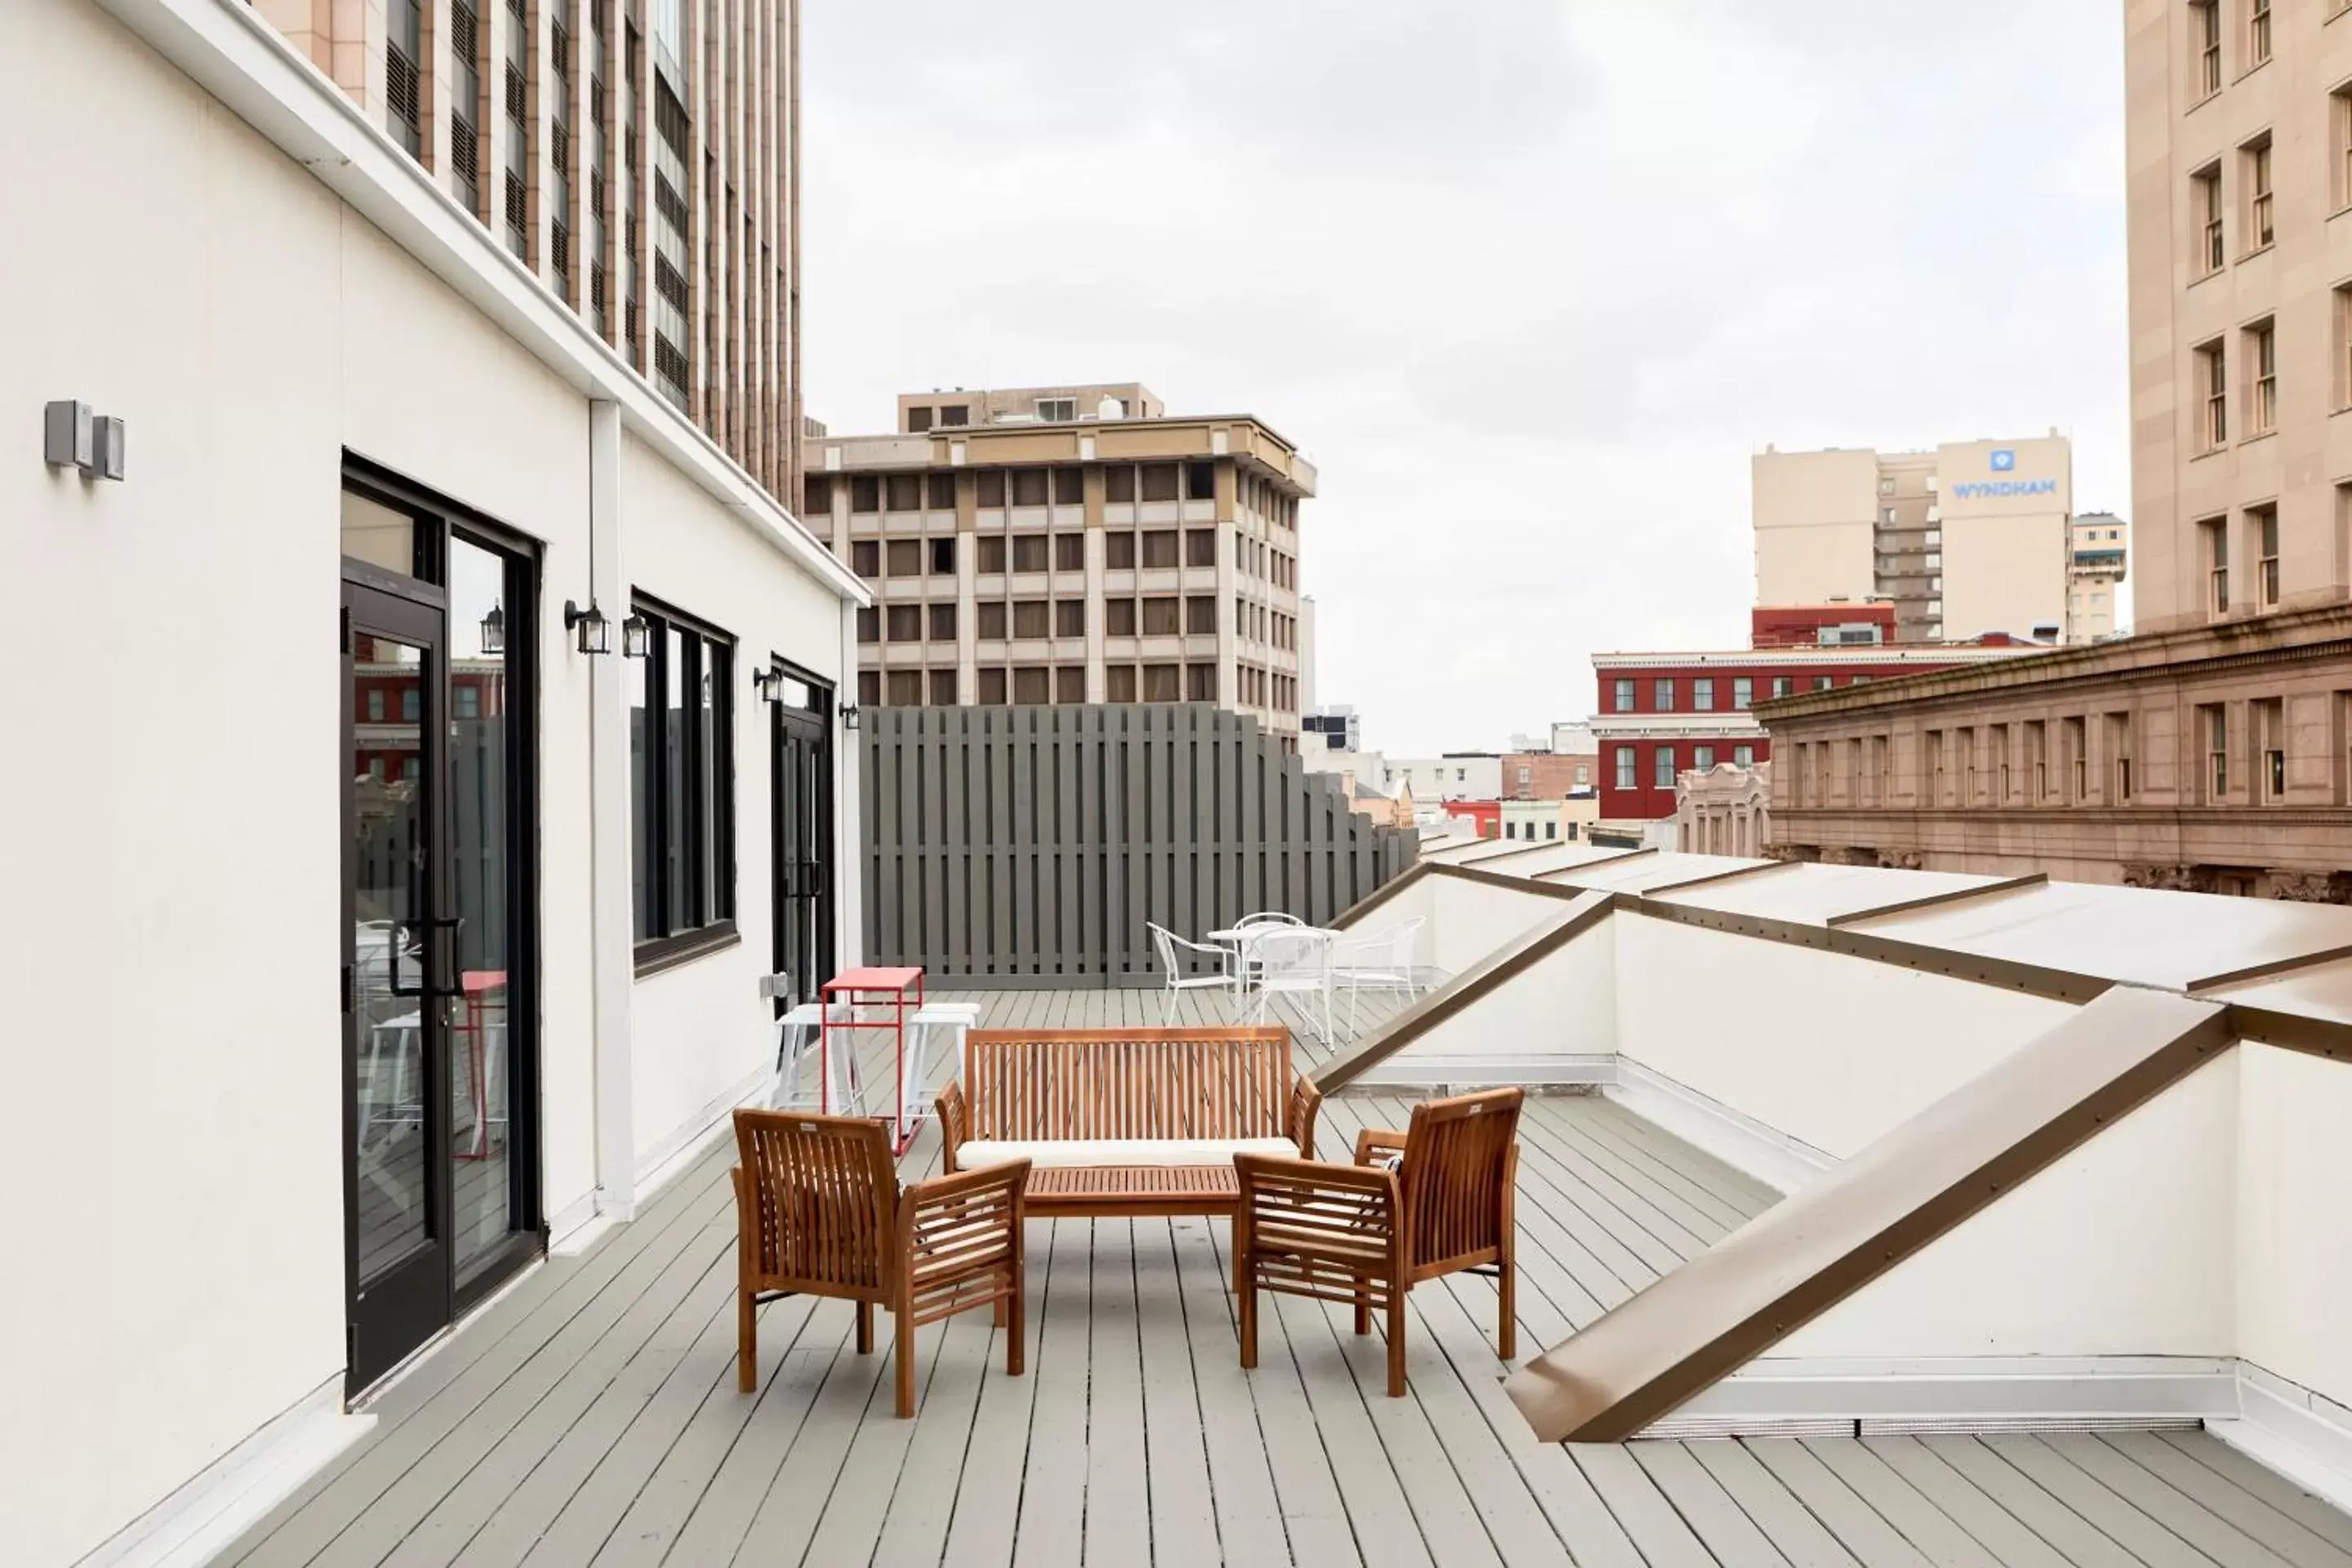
[{"x": 681, "y": 786}]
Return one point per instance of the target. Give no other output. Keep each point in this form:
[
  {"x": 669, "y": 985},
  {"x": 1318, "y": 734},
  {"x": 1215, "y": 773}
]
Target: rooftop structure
[{"x": 1070, "y": 544}]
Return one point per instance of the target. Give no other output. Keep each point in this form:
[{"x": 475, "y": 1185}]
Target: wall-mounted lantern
[{"x": 591, "y": 632}]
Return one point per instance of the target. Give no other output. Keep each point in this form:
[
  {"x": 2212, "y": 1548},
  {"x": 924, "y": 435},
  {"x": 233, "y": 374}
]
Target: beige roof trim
[{"x": 1954, "y": 896}]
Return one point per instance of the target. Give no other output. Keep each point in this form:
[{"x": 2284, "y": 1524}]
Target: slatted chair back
[
  {"x": 1461, "y": 1158},
  {"x": 822, "y": 1197},
  {"x": 1031, "y": 1084}
]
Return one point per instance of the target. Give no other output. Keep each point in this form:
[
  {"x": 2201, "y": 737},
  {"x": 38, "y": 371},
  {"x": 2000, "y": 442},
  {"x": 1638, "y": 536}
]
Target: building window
[
  {"x": 1201, "y": 613},
  {"x": 2216, "y": 532},
  {"x": 1162, "y": 683},
  {"x": 2258, "y": 32},
  {"x": 905, "y": 557},
  {"x": 1160, "y": 620},
  {"x": 1664, "y": 774},
  {"x": 990, "y": 625},
  {"x": 865, "y": 559},
  {"x": 943, "y": 623},
  {"x": 1028, "y": 486},
  {"x": 919, "y": 420},
  {"x": 943, "y": 683},
  {"x": 905, "y": 623},
  {"x": 1159, "y": 548},
  {"x": 1069, "y": 553},
  {"x": 2265, "y": 529},
  {"x": 1623, "y": 695},
  {"x": 1199, "y": 547},
  {"x": 1032, "y": 685},
  {"x": 992, "y": 554},
  {"x": 2342, "y": 302},
  {"x": 1823, "y": 682},
  {"x": 1743, "y": 694},
  {"x": 2256, "y": 155},
  {"x": 1028, "y": 552},
  {"x": 1703, "y": 757},
  {"x": 1119, "y": 683},
  {"x": 1782, "y": 684},
  {"x": 1200, "y": 481},
  {"x": 1199, "y": 683},
  {"x": 2205, "y": 24},
  {"x": 2205, "y": 205},
  {"x": 865, "y": 493},
  {"x": 1057, "y": 410},
  {"x": 2078, "y": 762},
  {"x": 904, "y": 492},
  {"x": 2267, "y": 721},
  {"x": 943, "y": 553},
  {"x": 464, "y": 105},
  {"x": 1624, "y": 767},
  {"x": 2214, "y": 724},
  {"x": 1159, "y": 484},
  {"x": 555, "y": 196},
  {"x": 2261, "y": 357},
  {"x": 1030, "y": 618},
  {"x": 1703, "y": 695},
  {"x": 404, "y": 49},
  {"x": 673, "y": 223},
  {"x": 2213, "y": 378},
  {"x": 955, "y": 414},
  {"x": 1662, "y": 693},
  {"x": 682, "y": 783}
]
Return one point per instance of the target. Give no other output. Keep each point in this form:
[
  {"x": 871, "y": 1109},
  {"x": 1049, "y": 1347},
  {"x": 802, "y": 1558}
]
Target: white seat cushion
[{"x": 1065, "y": 1152}]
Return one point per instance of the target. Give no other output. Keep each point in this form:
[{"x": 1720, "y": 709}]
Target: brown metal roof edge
[
  {"x": 1588, "y": 864},
  {"x": 1515, "y": 850},
  {"x": 1486, "y": 879},
  {"x": 2291, "y": 1031},
  {"x": 2275, "y": 967},
  {"x": 1713, "y": 876},
  {"x": 1498, "y": 969},
  {"x": 2059, "y": 985},
  {"x": 1565, "y": 1393},
  {"x": 1951, "y": 896}
]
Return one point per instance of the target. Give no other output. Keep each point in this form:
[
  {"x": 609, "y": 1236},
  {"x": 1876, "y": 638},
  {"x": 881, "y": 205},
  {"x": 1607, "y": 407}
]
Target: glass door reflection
[{"x": 482, "y": 867}]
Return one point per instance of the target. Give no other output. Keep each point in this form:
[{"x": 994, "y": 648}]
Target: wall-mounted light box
[{"x": 73, "y": 437}]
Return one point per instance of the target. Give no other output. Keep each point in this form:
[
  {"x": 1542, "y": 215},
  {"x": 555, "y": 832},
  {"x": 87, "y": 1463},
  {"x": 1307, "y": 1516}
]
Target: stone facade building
[
  {"x": 2213, "y": 752},
  {"x": 1724, "y": 810}
]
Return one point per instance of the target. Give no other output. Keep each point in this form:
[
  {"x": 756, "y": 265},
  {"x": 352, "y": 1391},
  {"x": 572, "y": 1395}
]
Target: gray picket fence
[{"x": 1010, "y": 847}]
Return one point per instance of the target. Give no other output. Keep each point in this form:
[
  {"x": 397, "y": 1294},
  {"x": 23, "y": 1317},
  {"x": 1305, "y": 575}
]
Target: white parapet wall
[{"x": 1829, "y": 1049}]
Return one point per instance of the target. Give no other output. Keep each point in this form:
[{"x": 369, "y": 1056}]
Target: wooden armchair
[
  {"x": 819, "y": 1212},
  {"x": 1365, "y": 1234}
]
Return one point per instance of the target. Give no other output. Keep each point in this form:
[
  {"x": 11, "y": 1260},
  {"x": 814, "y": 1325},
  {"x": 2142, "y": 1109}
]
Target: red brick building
[
  {"x": 1662, "y": 713},
  {"x": 1818, "y": 626}
]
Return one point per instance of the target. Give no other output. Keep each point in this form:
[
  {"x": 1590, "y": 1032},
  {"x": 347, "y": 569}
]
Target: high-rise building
[
  {"x": 2097, "y": 544},
  {"x": 2212, "y": 750},
  {"x": 1070, "y": 544},
  {"x": 1964, "y": 540}
]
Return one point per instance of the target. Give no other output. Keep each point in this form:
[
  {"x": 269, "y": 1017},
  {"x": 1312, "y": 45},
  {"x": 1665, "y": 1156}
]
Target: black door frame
[
  {"x": 438, "y": 519},
  {"x": 793, "y": 879},
  {"x": 387, "y": 1318}
]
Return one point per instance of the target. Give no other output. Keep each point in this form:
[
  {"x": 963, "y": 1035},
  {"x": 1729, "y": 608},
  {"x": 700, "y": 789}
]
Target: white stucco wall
[
  {"x": 170, "y": 952},
  {"x": 2122, "y": 1248},
  {"x": 1471, "y": 920},
  {"x": 2293, "y": 1261},
  {"x": 1562, "y": 1006},
  {"x": 1829, "y": 1049}
]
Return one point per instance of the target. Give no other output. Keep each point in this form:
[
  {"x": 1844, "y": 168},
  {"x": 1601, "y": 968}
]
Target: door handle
[{"x": 436, "y": 943}]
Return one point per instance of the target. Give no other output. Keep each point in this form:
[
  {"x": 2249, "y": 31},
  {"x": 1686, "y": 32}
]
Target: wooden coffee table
[{"x": 1078, "y": 1192}]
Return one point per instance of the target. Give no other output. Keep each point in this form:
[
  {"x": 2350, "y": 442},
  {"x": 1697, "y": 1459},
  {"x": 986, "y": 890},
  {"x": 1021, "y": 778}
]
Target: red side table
[{"x": 891, "y": 992}]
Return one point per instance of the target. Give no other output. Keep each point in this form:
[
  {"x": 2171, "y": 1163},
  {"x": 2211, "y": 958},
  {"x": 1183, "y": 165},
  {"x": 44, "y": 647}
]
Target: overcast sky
[{"x": 1529, "y": 282}]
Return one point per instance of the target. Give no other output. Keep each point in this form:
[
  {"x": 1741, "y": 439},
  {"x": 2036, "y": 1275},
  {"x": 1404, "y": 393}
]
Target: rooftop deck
[{"x": 590, "y": 1415}]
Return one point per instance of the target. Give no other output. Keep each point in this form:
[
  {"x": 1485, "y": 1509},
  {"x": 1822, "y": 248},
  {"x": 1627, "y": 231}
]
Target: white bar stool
[
  {"x": 798, "y": 1032},
  {"x": 932, "y": 1025}
]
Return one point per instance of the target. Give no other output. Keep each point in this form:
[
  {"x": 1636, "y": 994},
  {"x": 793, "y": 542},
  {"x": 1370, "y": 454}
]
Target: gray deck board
[{"x": 590, "y": 1415}]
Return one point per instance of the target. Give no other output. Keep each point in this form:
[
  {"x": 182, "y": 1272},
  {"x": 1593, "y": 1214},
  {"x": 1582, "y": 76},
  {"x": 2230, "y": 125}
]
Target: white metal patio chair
[
  {"x": 1294, "y": 962},
  {"x": 1244, "y": 933},
  {"x": 1377, "y": 961},
  {"x": 1173, "y": 951}
]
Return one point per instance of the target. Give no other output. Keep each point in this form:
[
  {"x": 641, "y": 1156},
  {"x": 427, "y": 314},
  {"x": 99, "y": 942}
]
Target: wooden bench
[{"x": 1128, "y": 1121}]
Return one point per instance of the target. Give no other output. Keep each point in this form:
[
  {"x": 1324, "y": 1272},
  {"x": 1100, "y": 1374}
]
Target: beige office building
[
  {"x": 2099, "y": 546},
  {"x": 1968, "y": 539},
  {"x": 2214, "y": 750},
  {"x": 1070, "y": 544}
]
